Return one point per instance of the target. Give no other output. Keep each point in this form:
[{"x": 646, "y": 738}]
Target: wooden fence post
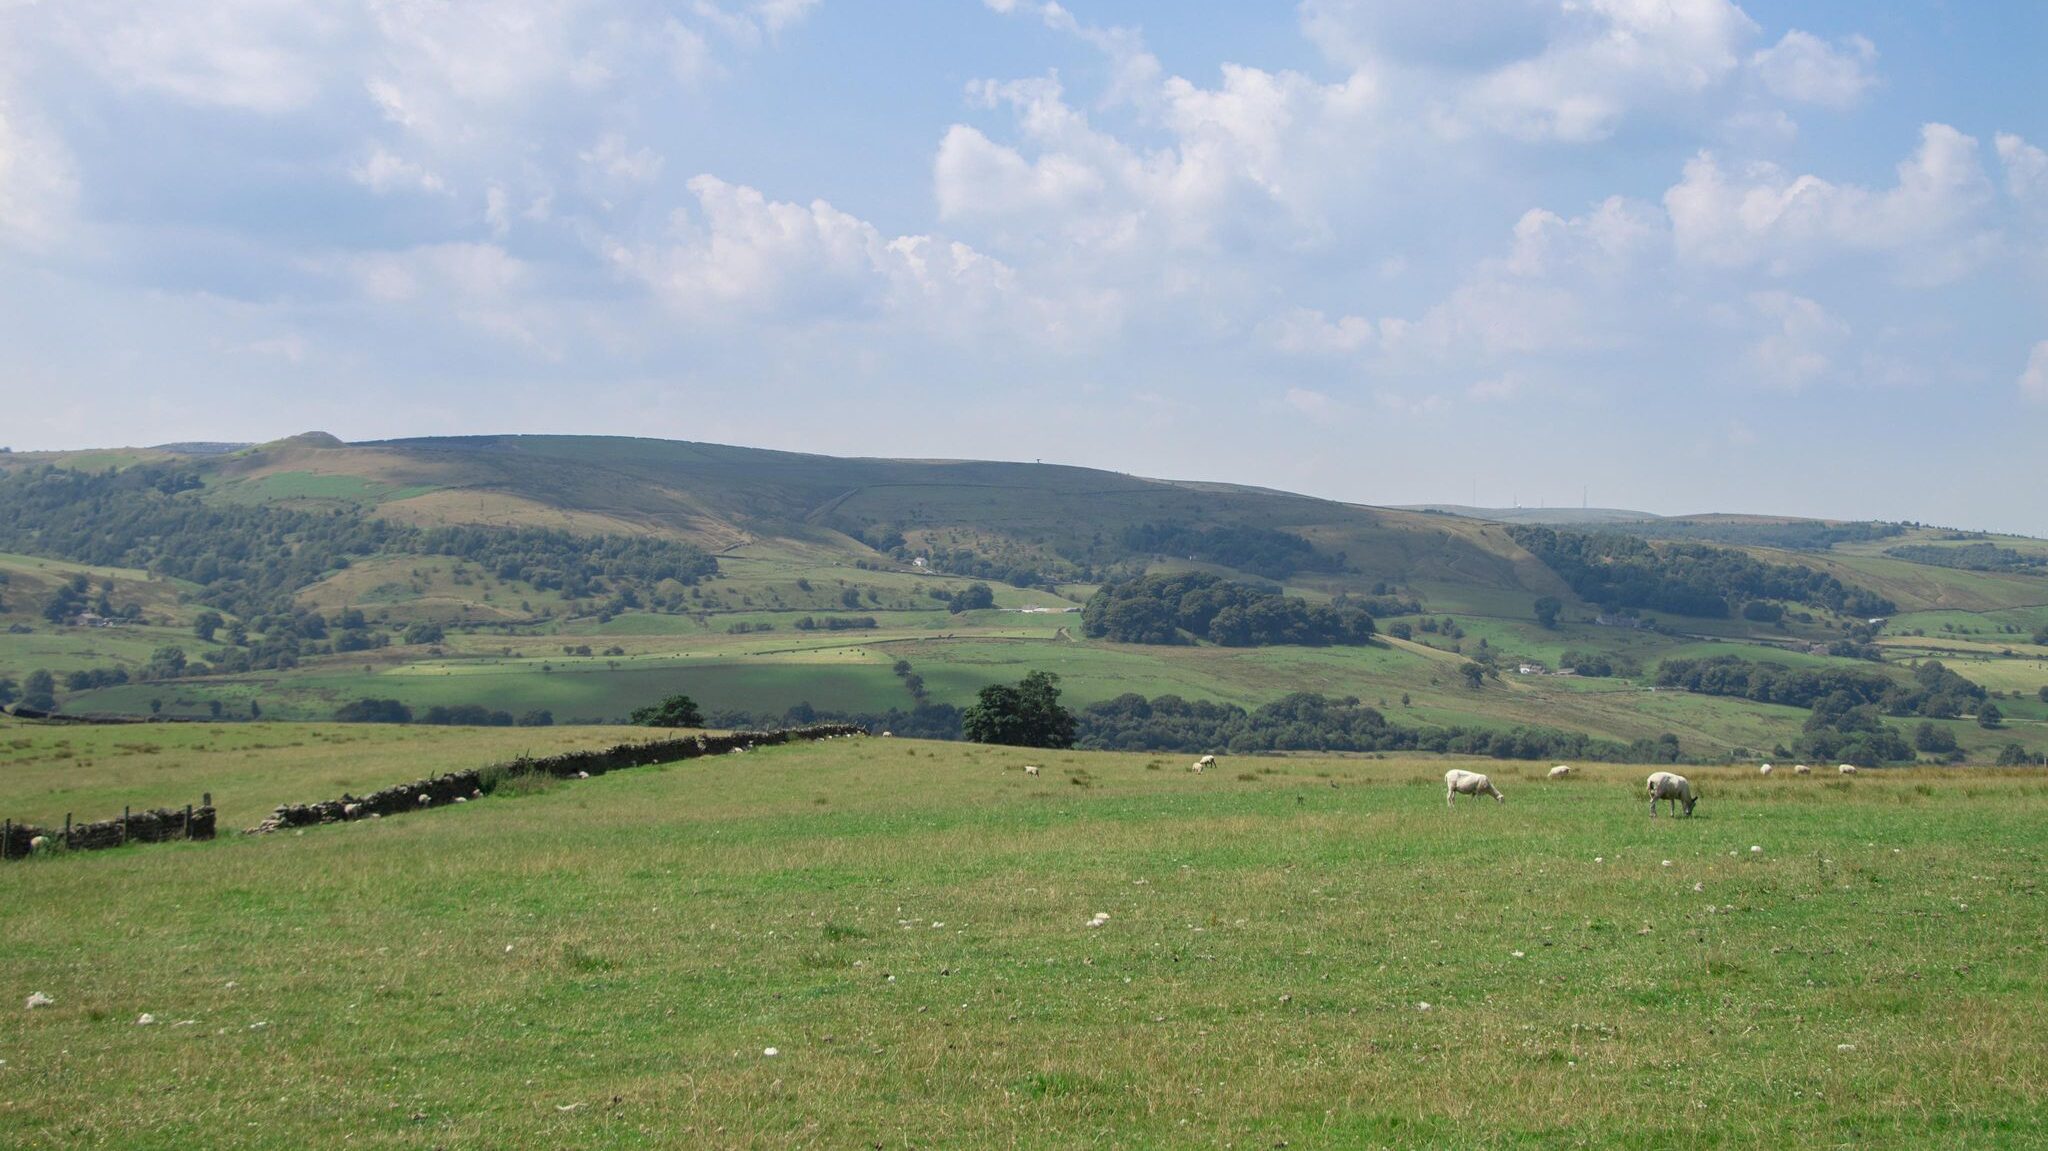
[
  {"x": 67, "y": 831},
  {"x": 124, "y": 823}
]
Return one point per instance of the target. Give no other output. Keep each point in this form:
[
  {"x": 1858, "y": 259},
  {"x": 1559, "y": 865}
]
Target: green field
[{"x": 605, "y": 963}]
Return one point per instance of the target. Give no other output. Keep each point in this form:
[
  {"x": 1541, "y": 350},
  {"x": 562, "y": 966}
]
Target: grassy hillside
[
  {"x": 796, "y": 540},
  {"x": 1287, "y": 959}
]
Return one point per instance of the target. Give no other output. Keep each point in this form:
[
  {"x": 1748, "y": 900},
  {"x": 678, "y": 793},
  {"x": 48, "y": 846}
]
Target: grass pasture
[{"x": 604, "y": 963}]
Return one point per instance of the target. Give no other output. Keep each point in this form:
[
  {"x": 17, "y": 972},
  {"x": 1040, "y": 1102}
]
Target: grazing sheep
[
  {"x": 1196, "y": 767},
  {"x": 1560, "y": 771},
  {"x": 1766, "y": 769},
  {"x": 1676, "y": 788},
  {"x": 1848, "y": 769},
  {"x": 1802, "y": 769},
  {"x": 1030, "y": 769},
  {"x": 1458, "y": 781},
  {"x": 39, "y": 844},
  {"x": 1207, "y": 761}
]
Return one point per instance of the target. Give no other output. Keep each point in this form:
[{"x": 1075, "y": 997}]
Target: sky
[{"x": 1675, "y": 255}]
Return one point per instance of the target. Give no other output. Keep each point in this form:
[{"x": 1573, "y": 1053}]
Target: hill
[{"x": 581, "y": 577}]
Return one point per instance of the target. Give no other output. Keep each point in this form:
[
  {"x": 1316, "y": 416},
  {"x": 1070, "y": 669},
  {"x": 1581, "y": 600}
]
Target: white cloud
[
  {"x": 1307, "y": 401},
  {"x": 264, "y": 56},
  {"x": 2026, "y": 167},
  {"x": 2034, "y": 381},
  {"x": 384, "y": 172},
  {"x": 38, "y": 185},
  {"x": 1930, "y": 221},
  {"x": 1800, "y": 343},
  {"x": 1614, "y": 56},
  {"x": 1308, "y": 332},
  {"x": 744, "y": 256},
  {"x": 1806, "y": 68}
]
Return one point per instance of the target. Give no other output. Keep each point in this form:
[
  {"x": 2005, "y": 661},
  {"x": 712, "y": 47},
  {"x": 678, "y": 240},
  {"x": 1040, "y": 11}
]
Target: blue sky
[{"x": 1677, "y": 254}]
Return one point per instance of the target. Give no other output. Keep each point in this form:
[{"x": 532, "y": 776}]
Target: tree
[
  {"x": 2014, "y": 755},
  {"x": 426, "y": 631},
  {"x": 1027, "y": 714},
  {"x": 1989, "y": 716},
  {"x": 8, "y": 691},
  {"x": 675, "y": 711},
  {"x": 373, "y": 711},
  {"x": 207, "y": 623},
  {"x": 1475, "y": 675},
  {"x": 976, "y": 597},
  {"x": 2044, "y": 693},
  {"x": 1547, "y": 609},
  {"x": 39, "y": 691},
  {"x": 1933, "y": 740}
]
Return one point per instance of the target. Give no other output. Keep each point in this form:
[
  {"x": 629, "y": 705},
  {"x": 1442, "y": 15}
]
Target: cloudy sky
[{"x": 1671, "y": 254}]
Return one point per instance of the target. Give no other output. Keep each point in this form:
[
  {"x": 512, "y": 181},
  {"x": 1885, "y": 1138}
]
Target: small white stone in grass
[
  {"x": 462, "y": 799},
  {"x": 1699, "y": 887},
  {"x": 38, "y": 999},
  {"x": 1756, "y": 849},
  {"x": 1667, "y": 863},
  {"x": 230, "y": 985},
  {"x": 770, "y": 1052},
  {"x": 1845, "y": 1047},
  {"x": 145, "y": 1020},
  {"x": 508, "y": 949},
  {"x": 1516, "y": 954},
  {"x": 1422, "y": 1007},
  {"x": 1599, "y": 859},
  {"x": 258, "y": 1025},
  {"x": 567, "y": 1106}
]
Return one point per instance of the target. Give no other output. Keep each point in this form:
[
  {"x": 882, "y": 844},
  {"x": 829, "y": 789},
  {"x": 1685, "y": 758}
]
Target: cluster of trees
[
  {"x": 1600, "y": 664},
  {"x": 1980, "y": 557},
  {"x": 75, "y": 597},
  {"x": 1169, "y": 609},
  {"x": 1933, "y": 692},
  {"x": 1616, "y": 570},
  {"x": 972, "y": 564},
  {"x": 250, "y": 560},
  {"x": 1261, "y": 551},
  {"x": 834, "y": 623},
  {"x": 1310, "y": 722},
  {"x": 450, "y": 715}
]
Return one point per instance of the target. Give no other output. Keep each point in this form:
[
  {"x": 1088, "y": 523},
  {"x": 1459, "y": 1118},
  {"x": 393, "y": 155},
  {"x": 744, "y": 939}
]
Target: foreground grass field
[{"x": 605, "y": 963}]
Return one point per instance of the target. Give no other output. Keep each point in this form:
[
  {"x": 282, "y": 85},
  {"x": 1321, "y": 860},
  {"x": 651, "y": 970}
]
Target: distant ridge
[
  {"x": 1538, "y": 515},
  {"x": 200, "y": 448}
]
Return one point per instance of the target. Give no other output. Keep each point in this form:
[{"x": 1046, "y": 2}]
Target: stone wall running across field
[
  {"x": 462, "y": 786},
  {"x": 167, "y": 824},
  {"x": 162, "y": 825}
]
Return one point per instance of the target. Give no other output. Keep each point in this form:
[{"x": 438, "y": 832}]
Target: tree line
[
  {"x": 1186, "y": 606},
  {"x": 1617, "y": 570}
]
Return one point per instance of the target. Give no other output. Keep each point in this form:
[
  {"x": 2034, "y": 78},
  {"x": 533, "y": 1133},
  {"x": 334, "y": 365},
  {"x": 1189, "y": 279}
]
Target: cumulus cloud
[
  {"x": 2034, "y": 380},
  {"x": 2026, "y": 167},
  {"x": 384, "y": 172},
  {"x": 1930, "y": 221},
  {"x": 264, "y": 56},
  {"x": 1800, "y": 341},
  {"x": 741, "y": 255},
  {"x": 1805, "y": 68},
  {"x": 1612, "y": 57},
  {"x": 38, "y": 184}
]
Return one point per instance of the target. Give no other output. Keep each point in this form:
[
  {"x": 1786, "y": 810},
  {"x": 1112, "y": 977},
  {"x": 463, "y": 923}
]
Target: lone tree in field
[
  {"x": 974, "y": 597},
  {"x": 1475, "y": 675},
  {"x": 1027, "y": 714},
  {"x": 1547, "y": 609},
  {"x": 1989, "y": 716},
  {"x": 675, "y": 711}
]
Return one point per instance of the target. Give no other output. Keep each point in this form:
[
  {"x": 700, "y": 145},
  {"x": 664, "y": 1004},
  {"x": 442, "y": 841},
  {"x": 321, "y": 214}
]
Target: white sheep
[
  {"x": 1676, "y": 788},
  {"x": 1196, "y": 767},
  {"x": 1458, "y": 781},
  {"x": 1847, "y": 769},
  {"x": 1766, "y": 769},
  {"x": 39, "y": 844},
  {"x": 1030, "y": 769},
  {"x": 1801, "y": 769},
  {"x": 1560, "y": 771},
  {"x": 1207, "y": 761}
]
